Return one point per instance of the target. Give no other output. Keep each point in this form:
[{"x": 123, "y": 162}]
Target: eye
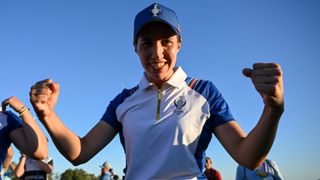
[
  {"x": 146, "y": 43},
  {"x": 165, "y": 42}
]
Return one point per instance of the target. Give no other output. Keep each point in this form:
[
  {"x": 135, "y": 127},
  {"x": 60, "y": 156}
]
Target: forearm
[
  {"x": 258, "y": 142},
  {"x": 19, "y": 170},
  {"x": 37, "y": 146},
  {"x": 64, "y": 139},
  {"x": 7, "y": 161}
]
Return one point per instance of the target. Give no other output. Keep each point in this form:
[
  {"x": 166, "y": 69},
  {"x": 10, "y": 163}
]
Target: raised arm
[
  {"x": 251, "y": 150},
  {"x": 44, "y": 96},
  {"x": 29, "y": 139}
]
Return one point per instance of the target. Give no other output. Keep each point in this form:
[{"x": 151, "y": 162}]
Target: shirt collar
[{"x": 177, "y": 79}]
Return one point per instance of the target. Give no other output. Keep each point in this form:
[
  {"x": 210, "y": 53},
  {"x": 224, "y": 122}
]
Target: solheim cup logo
[
  {"x": 155, "y": 10},
  {"x": 179, "y": 103}
]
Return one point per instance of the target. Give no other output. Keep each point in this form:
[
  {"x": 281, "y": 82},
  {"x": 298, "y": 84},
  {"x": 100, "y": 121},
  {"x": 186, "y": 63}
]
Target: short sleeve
[
  {"x": 110, "y": 115},
  {"x": 8, "y": 123},
  {"x": 220, "y": 112}
]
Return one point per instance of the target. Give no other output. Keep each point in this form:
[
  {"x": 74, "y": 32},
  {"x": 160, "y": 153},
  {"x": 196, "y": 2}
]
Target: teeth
[{"x": 158, "y": 65}]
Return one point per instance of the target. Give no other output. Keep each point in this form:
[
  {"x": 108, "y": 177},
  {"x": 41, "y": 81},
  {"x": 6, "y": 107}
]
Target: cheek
[
  {"x": 143, "y": 61},
  {"x": 143, "y": 55},
  {"x": 172, "y": 54},
  {"x": 143, "y": 58}
]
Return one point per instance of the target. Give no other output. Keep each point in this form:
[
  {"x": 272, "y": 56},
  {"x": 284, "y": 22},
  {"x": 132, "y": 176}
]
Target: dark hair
[{"x": 208, "y": 159}]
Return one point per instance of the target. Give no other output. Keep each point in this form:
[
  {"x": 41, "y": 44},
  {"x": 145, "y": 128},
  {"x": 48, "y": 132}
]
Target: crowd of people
[
  {"x": 167, "y": 106},
  {"x": 30, "y": 169}
]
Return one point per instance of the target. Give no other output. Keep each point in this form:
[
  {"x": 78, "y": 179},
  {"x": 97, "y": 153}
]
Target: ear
[
  {"x": 179, "y": 42},
  {"x": 179, "y": 45},
  {"x": 135, "y": 46},
  {"x": 135, "y": 49}
]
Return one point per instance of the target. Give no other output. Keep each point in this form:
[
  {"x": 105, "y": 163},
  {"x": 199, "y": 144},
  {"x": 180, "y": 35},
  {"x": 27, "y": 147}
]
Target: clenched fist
[
  {"x": 44, "y": 96},
  {"x": 268, "y": 81}
]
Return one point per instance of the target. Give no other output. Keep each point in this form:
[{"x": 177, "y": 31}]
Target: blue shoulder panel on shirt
[
  {"x": 219, "y": 114},
  {"x": 219, "y": 109},
  {"x": 110, "y": 115}
]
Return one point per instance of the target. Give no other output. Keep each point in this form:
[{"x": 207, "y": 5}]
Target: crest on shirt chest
[{"x": 179, "y": 103}]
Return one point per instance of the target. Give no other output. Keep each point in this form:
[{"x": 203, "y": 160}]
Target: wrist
[
  {"x": 22, "y": 111},
  {"x": 274, "y": 112},
  {"x": 278, "y": 109},
  {"x": 43, "y": 114},
  {"x": 46, "y": 115}
]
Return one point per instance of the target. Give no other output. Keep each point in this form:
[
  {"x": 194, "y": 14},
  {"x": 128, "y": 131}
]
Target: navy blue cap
[{"x": 155, "y": 12}]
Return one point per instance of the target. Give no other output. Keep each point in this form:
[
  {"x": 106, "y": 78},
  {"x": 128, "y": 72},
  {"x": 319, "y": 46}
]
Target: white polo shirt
[{"x": 166, "y": 131}]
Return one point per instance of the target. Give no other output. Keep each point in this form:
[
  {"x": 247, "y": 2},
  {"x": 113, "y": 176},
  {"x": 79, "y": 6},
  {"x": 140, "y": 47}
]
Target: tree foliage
[{"x": 75, "y": 174}]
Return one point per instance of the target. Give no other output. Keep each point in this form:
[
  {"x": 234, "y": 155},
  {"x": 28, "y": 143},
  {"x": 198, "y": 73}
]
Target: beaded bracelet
[{"x": 23, "y": 110}]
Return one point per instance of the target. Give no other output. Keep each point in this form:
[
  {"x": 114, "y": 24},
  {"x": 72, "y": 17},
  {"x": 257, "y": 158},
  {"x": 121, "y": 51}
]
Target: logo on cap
[{"x": 155, "y": 10}]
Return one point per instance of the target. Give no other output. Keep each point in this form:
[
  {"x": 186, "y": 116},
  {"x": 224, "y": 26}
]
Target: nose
[{"x": 158, "y": 50}]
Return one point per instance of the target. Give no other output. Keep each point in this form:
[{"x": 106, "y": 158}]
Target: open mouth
[{"x": 158, "y": 65}]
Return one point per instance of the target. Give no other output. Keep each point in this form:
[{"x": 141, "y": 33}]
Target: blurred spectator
[
  {"x": 6, "y": 163},
  {"x": 28, "y": 168},
  {"x": 115, "y": 177},
  {"x": 105, "y": 171},
  {"x": 9, "y": 174},
  {"x": 210, "y": 172},
  {"x": 267, "y": 170}
]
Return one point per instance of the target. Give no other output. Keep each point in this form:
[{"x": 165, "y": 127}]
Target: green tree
[{"x": 75, "y": 174}]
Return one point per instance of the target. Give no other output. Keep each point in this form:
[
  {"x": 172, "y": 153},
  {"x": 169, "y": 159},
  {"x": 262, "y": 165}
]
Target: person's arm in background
[
  {"x": 20, "y": 168},
  {"x": 44, "y": 96},
  {"x": 251, "y": 150},
  {"x": 7, "y": 161},
  {"x": 29, "y": 139}
]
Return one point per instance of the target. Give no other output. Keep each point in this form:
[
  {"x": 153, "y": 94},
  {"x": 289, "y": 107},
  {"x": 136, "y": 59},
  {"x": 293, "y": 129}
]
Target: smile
[{"x": 158, "y": 65}]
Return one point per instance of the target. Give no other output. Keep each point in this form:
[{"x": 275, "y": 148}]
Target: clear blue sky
[{"x": 86, "y": 46}]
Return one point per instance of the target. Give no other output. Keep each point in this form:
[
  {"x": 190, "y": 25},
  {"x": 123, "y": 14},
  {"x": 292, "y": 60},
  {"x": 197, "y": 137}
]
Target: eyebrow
[{"x": 147, "y": 38}]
